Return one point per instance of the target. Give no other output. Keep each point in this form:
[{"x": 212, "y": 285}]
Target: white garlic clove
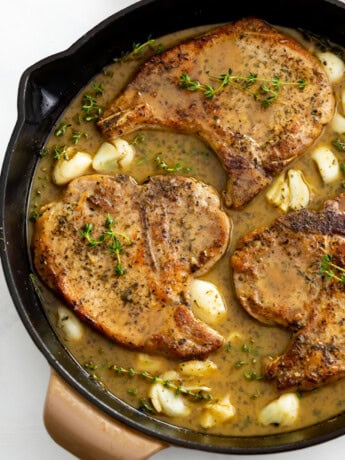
[
  {"x": 334, "y": 66},
  {"x": 217, "y": 413},
  {"x": 338, "y": 123},
  {"x": 207, "y": 302},
  {"x": 126, "y": 152},
  {"x": 299, "y": 191},
  {"x": 106, "y": 158},
  {"x": 282, "y": 411},
  {"x": 279, "y": 193},
  {"x": 327, "y": 164},
  {"x": 167, "y": 401},
  {"x": 67, "y": 170},
  {"x": 70, "y": 324}
]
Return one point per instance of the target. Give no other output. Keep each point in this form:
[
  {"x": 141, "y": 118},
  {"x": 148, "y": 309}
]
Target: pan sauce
[{"x": 250, "y": 341}]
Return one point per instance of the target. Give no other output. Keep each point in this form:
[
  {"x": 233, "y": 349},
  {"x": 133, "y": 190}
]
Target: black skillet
[{"x": 45, "y": 90}]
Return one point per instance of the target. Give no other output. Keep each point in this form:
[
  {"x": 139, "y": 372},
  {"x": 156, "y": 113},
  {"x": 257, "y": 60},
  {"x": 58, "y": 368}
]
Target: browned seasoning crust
[
  {"x": 278, "y": 281},
  {"x": 253, "y": 143},
  {"x": 177, "y": 231}
]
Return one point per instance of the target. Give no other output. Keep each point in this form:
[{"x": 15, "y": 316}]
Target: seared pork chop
[
  {"x": 252, "y": 142},
  {"x": 170, "y": 230},
  {"x": 279, "y": 279}
]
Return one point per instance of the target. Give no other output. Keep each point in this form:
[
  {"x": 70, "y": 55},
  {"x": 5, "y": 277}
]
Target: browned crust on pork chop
[
  {"x": 177, "y": 231},
  {"x": 278, "y": 281},
  {"x": 253, "y": 143}
]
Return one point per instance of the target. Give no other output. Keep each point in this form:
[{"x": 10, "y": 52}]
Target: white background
[{"x": 30, "y": 31}]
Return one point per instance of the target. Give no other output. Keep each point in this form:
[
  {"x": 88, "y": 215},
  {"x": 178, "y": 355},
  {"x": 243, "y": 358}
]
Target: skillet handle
[{"x": 87, "y": 432}]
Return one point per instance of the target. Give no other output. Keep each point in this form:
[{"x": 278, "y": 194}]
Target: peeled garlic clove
[
  {"x": 327, "y": 164},
  {"x": 126, "y": 152},
  {"x": 166, "y": 401},
  {"x": 197, "y": 368},
  {"x": 70, "y": 324},
  {"x": 67, "y": 170},
  {"x": 106, "y": 158},
  {"x": 217, "y": 413},
  {"x": 338, "y": 123},
  {"x": 207, "y": 303},
  {"x": 343, "y": 99},
  {"x": 299, "y": 191},
  {"x": 333, "y": 65},
  {"x": 282, "y": 411},
  {"x": 152, "y": 364},
  {"x": 279, "y": 193}
]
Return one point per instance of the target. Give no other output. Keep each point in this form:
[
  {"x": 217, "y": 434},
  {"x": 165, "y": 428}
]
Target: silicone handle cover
[{"x": 87, "y": 432}]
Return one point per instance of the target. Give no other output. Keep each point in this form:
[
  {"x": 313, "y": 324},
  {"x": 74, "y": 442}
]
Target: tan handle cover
[{"x": 87, "y": 432}]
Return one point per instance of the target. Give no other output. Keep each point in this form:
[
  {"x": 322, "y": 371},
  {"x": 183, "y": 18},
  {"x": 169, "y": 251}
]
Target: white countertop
[{"x": 30, "y": 31}]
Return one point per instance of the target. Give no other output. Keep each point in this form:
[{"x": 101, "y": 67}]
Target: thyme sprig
[
  {"x": 61, "y": 129},
  {"x": 339, "y": 144},
  {"x": 98, "y": 89},
  {"x": 331, "y": 270},
  {"x": 266, "y": 93},
  {"x": 92, "y": 111},
  {"x": 77, "y": 135},
  {"x": 59, "y": 151},
  {"x": 177, "y": 167},
  {"x": 199, "y": 395},
  {"x": 139, "y": 50},
  {"x": 109, "y": 235}
]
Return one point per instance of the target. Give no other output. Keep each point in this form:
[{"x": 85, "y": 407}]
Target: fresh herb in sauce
[
  {"x": 266, "y": 93},
  {"x": 61, "y": 129},
  {"x": 145, "y": 406},
  {"x": 92, "y": 111},
  {"x": 139, "y": 138},
  {"x": 140, "y": 50},
  {"x": 59, "y": 151},
  {"x": 196, "y": 395},
  {"x": 77, "y": 135},
  {"x": 98, "y": 89},
  {"x": 339, "y": 145},
  {"x": 176, "y": 168}
]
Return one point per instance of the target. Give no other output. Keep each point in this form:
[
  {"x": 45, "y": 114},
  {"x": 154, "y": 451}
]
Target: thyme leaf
[
  {"x": 61, "y": 129},
  {"x": 196, "y": 395},
  {"x": 59, "y": 151},
  {"x": 98, "y": 89},
  {"x": 139, "y": 138},
  {"x": 92, "y": 111},
  {"x": 109, "y": 235},
  {"x": 266, "y": 93},
  {"x": 146, "y": 406},
  {"x": 339, "y": 145},
  {"x": 140, "y": 50},
  {"x": 331, "y": 270},
  {"x": 176, "y": 168},
  {"x": 77, "y": 135}
]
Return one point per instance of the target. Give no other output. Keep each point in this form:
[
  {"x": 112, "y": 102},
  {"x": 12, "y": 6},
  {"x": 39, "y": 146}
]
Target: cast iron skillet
[{"x": 45, "y": 90}]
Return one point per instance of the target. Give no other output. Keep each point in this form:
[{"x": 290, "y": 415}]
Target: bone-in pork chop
[
  {"x": 253, "y": 143},
  {"x": 280, "y": 276},
  {"x": 134, "y": 288}
]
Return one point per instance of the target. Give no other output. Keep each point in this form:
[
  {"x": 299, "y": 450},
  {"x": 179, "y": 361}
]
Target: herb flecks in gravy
[{"x": 247, "y": 342}]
